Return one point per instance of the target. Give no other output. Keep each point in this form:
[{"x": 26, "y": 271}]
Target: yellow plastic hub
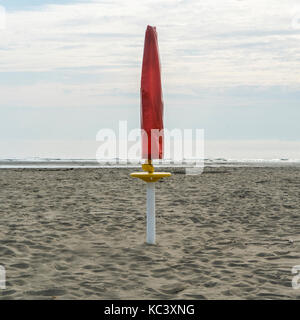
[{"x": 150, "y": 177}]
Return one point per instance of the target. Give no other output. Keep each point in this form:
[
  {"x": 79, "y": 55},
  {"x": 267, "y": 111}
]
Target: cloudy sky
[{"x": 70, "y": 68}]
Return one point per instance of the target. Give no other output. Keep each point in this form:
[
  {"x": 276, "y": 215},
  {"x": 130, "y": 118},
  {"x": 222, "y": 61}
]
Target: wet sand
[{"x": 230, "y": 233}]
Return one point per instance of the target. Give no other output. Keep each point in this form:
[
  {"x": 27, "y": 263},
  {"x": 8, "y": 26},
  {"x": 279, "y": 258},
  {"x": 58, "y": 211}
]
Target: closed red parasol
[
  {"x": 151, "y": 99},
  {"x": 152, "y": 125}
]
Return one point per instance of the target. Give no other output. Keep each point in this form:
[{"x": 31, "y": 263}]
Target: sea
[{"x": 57, "y": 163}]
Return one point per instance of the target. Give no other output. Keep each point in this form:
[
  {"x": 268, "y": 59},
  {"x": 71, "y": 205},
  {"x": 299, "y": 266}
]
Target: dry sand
[{"x": 230, "y": 233}]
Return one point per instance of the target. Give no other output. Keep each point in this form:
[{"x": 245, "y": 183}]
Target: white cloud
[
  {"x": 207, "y": 43},
  {"x": 2, "y": 18},
  {"x": 205, "y": 46}
]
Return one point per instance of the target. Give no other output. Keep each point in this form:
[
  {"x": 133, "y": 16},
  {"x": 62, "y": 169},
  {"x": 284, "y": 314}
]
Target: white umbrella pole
[
  {"x": 150, "y": 177},
  {"x": 151, "y": 212}
]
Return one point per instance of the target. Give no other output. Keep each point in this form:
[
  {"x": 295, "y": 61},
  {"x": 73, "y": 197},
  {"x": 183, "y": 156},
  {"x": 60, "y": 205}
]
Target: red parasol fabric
[{"x": 151, "y": 99}]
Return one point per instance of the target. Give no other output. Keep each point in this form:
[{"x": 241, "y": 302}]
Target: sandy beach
[{"x": 230, "y": 233}]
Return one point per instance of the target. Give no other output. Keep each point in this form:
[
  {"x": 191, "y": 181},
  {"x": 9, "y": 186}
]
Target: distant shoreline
[{"x": 81, "y": 163}]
